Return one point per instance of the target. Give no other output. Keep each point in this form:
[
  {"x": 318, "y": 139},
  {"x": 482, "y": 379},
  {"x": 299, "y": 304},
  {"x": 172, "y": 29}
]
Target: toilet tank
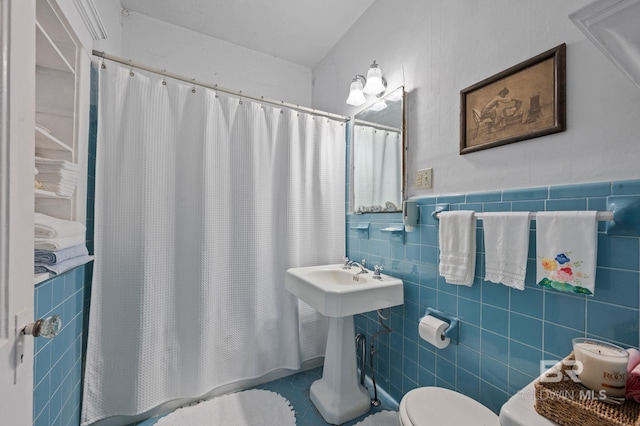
[{"x": 519, "y": 411}]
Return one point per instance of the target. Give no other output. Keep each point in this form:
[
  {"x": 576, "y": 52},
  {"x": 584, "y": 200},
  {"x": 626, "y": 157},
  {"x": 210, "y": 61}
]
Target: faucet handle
[
  {"x": 376, "y": 272},
  {"x": 346, "y": 263}
]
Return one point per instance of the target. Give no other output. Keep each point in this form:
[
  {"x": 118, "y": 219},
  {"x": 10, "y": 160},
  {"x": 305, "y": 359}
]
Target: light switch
[{"x": 424, "y": 179}]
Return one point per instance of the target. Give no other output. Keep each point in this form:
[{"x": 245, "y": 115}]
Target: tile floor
[{"x": 295, "y": 388}]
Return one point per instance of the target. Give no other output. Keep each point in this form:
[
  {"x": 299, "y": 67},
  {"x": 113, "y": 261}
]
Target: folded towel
[
  {"x": 68, "y": 179},
  {"x": 506, "y": 245},
  {"x": 58, "y": 243},
  {"x": 52, "y": 227},
  {"x": 59, "y": 268},
  {"x": 457, "y": 239},
  {"x": 567, "y": 250},
  {"x": 59, "y": 164},
  {"x": 633, "y": 375},
  {"x": 59, "y": 256},
  {"x": 60, "y": 191}
]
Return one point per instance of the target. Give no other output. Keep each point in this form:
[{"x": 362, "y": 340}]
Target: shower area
[{"x": 203, "y": 199}]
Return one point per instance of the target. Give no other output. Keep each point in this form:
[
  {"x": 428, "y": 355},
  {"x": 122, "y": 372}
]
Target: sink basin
[
  {"x": 337, "y": 292},
  {"x": 340, "y": 294}
]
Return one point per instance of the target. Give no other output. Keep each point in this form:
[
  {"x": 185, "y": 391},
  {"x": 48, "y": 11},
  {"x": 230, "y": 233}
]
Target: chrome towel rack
[
  {"x": 622, "y": 214},
  {"x": 600, "y": 216}
]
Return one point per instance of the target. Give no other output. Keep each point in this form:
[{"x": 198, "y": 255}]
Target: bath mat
[
  {"x": 383, "y": 418},
  {"x": 252, "y": 407}
]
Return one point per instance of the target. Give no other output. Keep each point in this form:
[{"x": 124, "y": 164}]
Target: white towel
[
  {"x": 58, "y": 243},
  {"x": 59, "y": 268},
  {"x": 59, "y": 256},
  {"x": 457, "y": 239},
  {"x": 52, "y": 227},
  {"x": 506, "y": 244},
  {"x": 57, "y": 164},
  {"x": 567, "y": 250}
]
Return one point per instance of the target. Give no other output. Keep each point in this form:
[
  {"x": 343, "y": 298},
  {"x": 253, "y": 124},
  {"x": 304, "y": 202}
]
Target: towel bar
[
  {"x": 622, "y": 215},
  {"x": 600, "y": 216}
]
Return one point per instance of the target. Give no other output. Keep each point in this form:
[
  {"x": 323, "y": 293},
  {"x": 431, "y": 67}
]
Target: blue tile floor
[{"x": 295, "y": 388}]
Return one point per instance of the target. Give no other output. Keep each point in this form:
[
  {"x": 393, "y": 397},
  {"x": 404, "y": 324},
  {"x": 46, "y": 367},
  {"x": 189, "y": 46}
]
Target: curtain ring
[
  {"x": 164, "y": 80},
  {"x": 193, "y": 89},
  {"x": 240, "y": 94},
  {"x": 131, "y": 74}
]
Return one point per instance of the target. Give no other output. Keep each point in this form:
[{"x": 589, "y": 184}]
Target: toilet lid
[{"x": 441, "y": 406}]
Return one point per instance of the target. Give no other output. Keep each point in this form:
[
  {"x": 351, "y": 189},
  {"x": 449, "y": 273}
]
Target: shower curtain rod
[
  {"x": 376, "y": 125},
  {"x": 165, "y": 73}
]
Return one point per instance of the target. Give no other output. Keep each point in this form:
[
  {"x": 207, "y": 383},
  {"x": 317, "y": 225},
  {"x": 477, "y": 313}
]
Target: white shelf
[
  {"x": 38, "y": 278},
  {"x": 612, "y": 26},
  {"x": 51, "y": 19},
  {"x": 53, "y": 113},
  {"x": 45, "y": 140},
  {"x": 40, "y": 193},
  {"x": 61, "y": 87},
  {"x": 48, "y": 54}
]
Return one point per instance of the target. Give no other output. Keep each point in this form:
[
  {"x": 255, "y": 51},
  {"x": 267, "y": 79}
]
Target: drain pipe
[
  {"x": 361, "y": 347},
  {"x": 386, "y": 329}
]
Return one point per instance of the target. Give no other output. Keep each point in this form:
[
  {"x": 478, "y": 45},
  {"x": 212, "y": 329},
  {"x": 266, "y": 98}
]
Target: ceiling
[{"x": 298, "y": 31}]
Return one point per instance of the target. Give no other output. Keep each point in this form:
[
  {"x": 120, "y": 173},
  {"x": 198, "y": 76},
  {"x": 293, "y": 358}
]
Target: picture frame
[{"x": 523, "y": 102}]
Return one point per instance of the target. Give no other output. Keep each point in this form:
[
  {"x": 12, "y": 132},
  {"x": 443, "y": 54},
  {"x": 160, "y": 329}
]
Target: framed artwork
[{"x": 523, "y": 102}]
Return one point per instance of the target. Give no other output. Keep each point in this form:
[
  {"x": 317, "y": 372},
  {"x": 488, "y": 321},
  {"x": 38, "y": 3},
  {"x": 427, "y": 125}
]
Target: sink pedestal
[{"x": 338, "y": 395}]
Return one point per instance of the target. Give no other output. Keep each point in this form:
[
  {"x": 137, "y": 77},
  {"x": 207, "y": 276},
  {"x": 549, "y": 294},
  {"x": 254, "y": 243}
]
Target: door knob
[{"x": 47, "y": 328}]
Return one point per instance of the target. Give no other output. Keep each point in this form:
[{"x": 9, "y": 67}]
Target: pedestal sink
[{"x": 339, "y": 294}]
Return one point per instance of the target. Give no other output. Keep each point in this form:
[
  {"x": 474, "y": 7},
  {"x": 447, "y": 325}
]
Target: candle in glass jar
[{"x": 604, "y": 366}]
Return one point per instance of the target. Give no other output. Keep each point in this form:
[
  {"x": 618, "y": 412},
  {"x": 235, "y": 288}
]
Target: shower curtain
[
  {"x": 377, "y": 162},
  {"x": 203, "y": 201}
]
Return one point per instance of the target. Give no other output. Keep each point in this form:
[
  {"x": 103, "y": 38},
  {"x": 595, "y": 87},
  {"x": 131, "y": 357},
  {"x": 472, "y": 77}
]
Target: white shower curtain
[
  {"x": 202, "y": 202},
  {"x": 377, "y": 161}
]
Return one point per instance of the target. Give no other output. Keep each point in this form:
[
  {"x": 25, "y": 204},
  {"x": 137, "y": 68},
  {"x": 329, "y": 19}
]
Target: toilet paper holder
[{"x": 453, "y": 331}]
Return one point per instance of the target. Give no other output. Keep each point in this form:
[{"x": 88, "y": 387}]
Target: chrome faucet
[
  {"x": 346, "y": 263},
  {"x": 376, "y": 272},
  {"x": 363, "y": 270}
]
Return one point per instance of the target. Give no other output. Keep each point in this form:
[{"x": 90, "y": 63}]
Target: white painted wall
[
  {"x": 436, "y": 48},
  {"x": 110, "y": 13},
  {"x": 185, "y": 52}
]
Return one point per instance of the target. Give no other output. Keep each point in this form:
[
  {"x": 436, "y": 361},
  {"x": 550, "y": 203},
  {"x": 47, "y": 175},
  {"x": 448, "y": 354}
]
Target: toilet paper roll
[{"x": 432, "y": 330}]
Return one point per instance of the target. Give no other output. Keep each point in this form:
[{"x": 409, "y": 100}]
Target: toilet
[
  {"x": 440, "y": 406},
  {"x": 519, "y": 410}
]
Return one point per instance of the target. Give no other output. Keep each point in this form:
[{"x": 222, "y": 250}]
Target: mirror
[{"x": 377, "y": 160}]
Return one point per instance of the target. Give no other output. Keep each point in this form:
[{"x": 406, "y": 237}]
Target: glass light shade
[
  {"x": 379, "y": 106},
  {"x": 356, "y": 97},
  {"x": 374, "y": 84}
]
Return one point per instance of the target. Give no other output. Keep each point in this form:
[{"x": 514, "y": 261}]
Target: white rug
[
  {"x": 252, "y": 407},
  {"x": 383, "y": 418}
]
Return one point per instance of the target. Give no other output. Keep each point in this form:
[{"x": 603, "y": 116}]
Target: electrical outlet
[{"x": 424, "y": 179}]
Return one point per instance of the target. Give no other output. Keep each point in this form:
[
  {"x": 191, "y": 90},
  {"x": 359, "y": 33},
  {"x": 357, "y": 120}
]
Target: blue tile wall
[
  {"x": 58, "y": 362},
  {"x": 504, "y": 332}
]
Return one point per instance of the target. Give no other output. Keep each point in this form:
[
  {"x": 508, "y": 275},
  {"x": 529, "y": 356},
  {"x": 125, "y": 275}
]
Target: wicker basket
[{"x": 568, "y": 404}]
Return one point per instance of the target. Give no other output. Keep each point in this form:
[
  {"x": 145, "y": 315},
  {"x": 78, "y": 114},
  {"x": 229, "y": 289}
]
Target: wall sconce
[
  {"x": 356, "y": 93},
  {"x": 375, "y": 84}
]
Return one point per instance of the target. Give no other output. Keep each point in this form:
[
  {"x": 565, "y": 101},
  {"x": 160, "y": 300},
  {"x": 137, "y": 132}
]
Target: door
[{"x": 17, "y": 120}]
